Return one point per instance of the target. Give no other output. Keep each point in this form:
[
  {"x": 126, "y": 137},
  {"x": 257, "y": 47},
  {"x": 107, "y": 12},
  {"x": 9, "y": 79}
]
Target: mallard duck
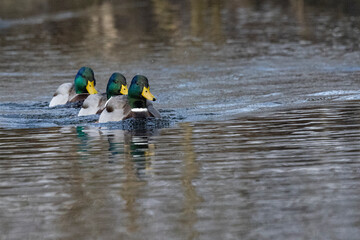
[
  {"x": 83, "y": 86},
  {"x": 95, "y": 103},
  {"x": 137, "y": 104}
]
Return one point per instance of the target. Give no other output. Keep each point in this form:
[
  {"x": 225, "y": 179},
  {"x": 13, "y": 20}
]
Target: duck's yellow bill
[
  {"x": 124, "y": 90},
  {"x": 90, "y": 87},
  {"x": 147, "y": 94}
]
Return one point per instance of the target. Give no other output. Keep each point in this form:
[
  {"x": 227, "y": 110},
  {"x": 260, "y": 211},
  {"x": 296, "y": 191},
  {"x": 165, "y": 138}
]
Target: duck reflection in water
[
  {"x": 131, "y": 154},
  {"x": 128, "y": 145},
  {"x": 120, "y": 184},
  {"x": 134, "y": 146}
]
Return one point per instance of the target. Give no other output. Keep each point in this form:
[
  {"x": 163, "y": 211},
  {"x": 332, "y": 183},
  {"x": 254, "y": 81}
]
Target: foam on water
[{"x": 39, "y": 115}]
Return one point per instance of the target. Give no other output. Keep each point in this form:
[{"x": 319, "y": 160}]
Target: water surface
[{"x": 260, "y": 131}]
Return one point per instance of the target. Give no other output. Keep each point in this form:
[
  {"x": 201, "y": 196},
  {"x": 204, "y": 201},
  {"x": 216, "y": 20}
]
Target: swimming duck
[
  {"x": 137, "y": 104},
  {"x": 95, "y": 103},
  {"x": 83, "y": 86}
]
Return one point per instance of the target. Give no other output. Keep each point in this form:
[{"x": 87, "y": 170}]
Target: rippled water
[{"x": 260, "y": 131}]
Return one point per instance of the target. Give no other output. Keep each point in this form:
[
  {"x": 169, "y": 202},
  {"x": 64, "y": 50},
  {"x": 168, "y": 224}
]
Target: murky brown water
[{"x": 260, "y": 131}]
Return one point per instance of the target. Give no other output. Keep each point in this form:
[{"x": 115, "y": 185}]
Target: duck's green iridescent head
[
  {"x": 116, "y": 85},
  {"x": 139, "y": 91},
  {"x": 85, "y": 81}
]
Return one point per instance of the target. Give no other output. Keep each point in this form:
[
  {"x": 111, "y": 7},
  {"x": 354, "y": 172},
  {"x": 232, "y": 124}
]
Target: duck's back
[
  {"x": 93, "y": 104},
  {"x": 79, "y": 98},
  {"x": 152, "y": 110},
  {"x": 62, "y": 95},
  {"x": 114, "y": 109}
]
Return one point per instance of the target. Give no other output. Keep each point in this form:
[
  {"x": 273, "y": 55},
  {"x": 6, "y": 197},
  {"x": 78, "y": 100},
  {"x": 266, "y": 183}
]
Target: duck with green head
[
  {"x": 95, "y": 103},
  {"x": 137, "y": 104},
  {"x": 83, "y": 86}
]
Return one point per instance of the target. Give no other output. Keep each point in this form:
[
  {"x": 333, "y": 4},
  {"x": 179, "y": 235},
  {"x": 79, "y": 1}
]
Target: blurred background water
[{"x": 260, "y": 131}]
